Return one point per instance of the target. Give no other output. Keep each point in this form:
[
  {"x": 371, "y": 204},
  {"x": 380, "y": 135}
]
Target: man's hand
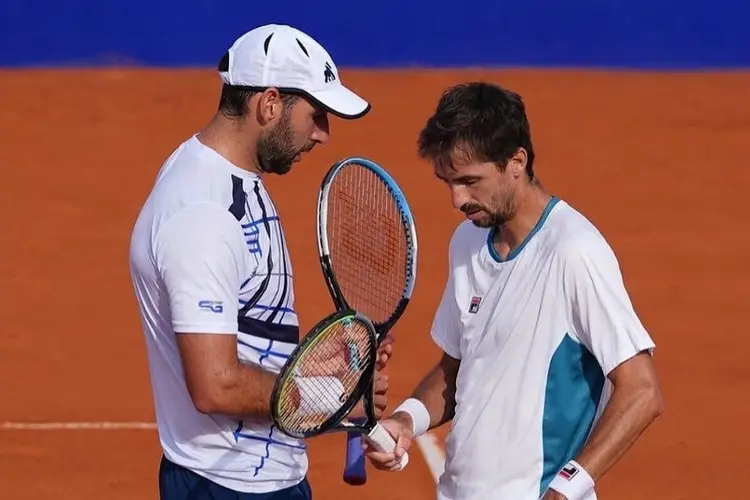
[
  {"x": 399, "y": 426},
  {"x": 554, "y": 495},
  {"x": 333, "y": 358},
  {"x": 385, "y": 350},
  {"x": 380, "y": 384},
  {"x": 380, "y": 399}
]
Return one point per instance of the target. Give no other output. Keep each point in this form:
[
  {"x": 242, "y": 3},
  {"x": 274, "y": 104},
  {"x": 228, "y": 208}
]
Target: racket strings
[
  {"x": 324, "y": 376},
  {"x": 368, "y": 243}
]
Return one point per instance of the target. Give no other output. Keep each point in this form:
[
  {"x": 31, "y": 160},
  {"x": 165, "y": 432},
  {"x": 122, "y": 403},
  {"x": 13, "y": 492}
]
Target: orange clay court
[{"x": 658, "y": 161}]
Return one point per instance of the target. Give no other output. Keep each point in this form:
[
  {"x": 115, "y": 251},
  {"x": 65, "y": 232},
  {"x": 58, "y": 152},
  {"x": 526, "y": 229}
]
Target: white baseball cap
[{"x": 283, "y": 57}]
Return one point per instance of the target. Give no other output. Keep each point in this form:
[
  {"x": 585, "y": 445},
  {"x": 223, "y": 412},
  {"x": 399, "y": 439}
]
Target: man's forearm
[
  {"x": 243, "y": 390},
  {"x": 628, "y": 414},
  {"x": 437, "y": 391}
]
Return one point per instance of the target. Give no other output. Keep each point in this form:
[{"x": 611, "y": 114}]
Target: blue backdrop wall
[{"x": 668, "y": 34}]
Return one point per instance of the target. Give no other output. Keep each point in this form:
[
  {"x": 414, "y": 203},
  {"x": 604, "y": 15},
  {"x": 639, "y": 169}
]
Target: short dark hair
[
  {"x": 234, "y": 98},
  {"x": 482, "y": 122}
]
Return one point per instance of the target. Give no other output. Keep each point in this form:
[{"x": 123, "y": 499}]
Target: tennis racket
[
  {"x": 326, "y": 375},
  {"x": 367, "y": 243}
]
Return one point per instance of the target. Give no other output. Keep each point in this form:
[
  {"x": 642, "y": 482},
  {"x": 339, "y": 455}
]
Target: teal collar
[{"x": 512, "y": 255}]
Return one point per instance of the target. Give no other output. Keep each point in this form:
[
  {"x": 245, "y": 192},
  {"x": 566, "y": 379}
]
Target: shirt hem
[
  {"x": 241, "y": 485},
  {"x": 443, "y": 344},
  {"x": 646, "y": 346}
]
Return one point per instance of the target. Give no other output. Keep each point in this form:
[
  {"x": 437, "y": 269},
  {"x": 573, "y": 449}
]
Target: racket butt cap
[
  {"x": 355, "y": 472},
  {"x": 355, "y": 480}
]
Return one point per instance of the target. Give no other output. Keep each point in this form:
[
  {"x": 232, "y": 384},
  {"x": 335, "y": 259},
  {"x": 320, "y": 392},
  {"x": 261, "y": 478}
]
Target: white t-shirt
[
  {"x": 208, "y": 255},
  {"x": 536, "y": 334}
]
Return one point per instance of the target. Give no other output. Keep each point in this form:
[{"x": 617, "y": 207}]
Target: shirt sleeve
[
  {"x": 200, "y": 255},
  {"x": 446, "y": 324},
  {"x": 602, "y": 314}
]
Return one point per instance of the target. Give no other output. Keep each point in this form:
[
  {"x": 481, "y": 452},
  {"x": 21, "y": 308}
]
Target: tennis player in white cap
[{"x": 213, "y": 277}]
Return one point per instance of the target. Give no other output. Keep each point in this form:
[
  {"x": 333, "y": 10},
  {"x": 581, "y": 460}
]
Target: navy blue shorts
[{"x": 178, "y": 483}]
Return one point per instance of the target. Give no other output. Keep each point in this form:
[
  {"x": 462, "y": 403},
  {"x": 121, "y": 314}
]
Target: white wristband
[
  {"x": 573, "y": 481},
  {"x": 419, "y": 415},
  {"x": 319, "y": 394}
]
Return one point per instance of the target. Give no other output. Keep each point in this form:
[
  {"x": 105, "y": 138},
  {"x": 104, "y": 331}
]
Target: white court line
[
  {"x": 428, "y": 443},
  {"x": 433, "y": 454},
  {"x": 76, "y": 426}
]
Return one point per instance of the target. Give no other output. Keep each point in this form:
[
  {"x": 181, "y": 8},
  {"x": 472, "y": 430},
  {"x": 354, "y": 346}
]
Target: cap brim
[{"x": 342, "y": 102}]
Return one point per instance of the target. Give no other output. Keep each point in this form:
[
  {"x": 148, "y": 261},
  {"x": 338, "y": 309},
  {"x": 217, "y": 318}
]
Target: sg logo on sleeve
[{"x": 213, "y": 306}]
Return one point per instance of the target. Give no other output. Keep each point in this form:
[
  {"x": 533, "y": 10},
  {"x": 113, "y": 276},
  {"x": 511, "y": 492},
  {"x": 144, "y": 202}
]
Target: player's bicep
[
  {"x": 602, "y": 314},
  {"x": 450, "y": 365},
  {"x": 201, "y": 261}
]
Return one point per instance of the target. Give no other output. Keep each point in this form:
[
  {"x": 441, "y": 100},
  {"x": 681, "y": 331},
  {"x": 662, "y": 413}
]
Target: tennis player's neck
[
  {"x": 237, "y": 146},
  {"x": 530, "y": 209}
]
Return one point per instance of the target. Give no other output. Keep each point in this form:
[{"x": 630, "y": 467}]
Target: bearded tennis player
[{"x": 213, "y": 277}]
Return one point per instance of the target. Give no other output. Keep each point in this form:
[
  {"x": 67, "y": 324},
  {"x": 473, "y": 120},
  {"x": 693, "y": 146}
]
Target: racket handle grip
[
  {"x": 382, "y": 440},
  {"x": 355, "y": 473}
]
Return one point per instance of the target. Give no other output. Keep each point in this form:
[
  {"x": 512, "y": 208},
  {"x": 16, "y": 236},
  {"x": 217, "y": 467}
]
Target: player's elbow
[
  {"x": 207, "y": 402},
  {"x": 212, "y": 394},
  {"x": 648, "y": 402},
  {"x": 654, "y": 401}
]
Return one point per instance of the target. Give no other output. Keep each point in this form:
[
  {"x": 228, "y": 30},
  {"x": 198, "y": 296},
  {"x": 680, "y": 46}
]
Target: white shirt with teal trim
[{"x": 537, "y": 334}]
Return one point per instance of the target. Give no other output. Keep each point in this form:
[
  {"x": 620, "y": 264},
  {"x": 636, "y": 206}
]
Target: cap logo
[
  {"x": 328, "y": 73},
  {"x": 266, "y": 43},
  {"x": 302, "y": 47}
]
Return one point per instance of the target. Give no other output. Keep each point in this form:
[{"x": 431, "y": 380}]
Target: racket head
[
  {"x": 341, "y": 346},
  {"x": 336, "y": 198}
]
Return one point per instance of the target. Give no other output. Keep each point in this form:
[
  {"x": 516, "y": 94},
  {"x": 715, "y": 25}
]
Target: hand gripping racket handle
[
  {"x": 383, "y": 441},
  {"x": 355, "y": 473}
]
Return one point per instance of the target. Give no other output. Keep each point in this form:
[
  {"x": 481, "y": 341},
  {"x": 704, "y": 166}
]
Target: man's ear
[
  {"x": 269, "y": 106},
  {"x": 517, "y": 163}
]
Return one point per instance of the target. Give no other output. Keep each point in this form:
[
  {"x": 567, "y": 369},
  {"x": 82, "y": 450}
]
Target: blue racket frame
[{"x": 355, "y": 471}]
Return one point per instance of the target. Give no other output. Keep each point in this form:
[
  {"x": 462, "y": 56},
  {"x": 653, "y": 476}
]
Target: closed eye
[{"x": 466, "y": 180}]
